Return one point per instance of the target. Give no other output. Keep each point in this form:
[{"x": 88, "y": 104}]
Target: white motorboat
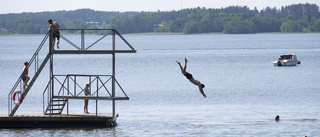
[{"x": 287, "y": 60}]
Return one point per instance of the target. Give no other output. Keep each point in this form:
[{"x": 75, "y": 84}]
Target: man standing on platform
[{"x": 56, "y": 34}]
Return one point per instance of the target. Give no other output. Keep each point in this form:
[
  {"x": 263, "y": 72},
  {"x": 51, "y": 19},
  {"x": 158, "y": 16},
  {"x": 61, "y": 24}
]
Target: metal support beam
[
  {"x": 51, "y": 65},
  {"x": 82, "y": 39},
  {"x": 113, "y": 74}
]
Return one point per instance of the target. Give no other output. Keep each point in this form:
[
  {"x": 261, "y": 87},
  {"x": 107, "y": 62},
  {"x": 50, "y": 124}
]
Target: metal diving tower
[{"x": 63, "y": 87}]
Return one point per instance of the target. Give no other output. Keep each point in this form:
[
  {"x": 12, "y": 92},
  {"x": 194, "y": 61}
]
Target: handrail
[
  {"x": 82, "y": 48},
  {"x": 124, "y": 40},
  {"x": 49, "y": 94},
  {"x": 48, "y": 97},
  {"x": 33, "y": 58},
  {"x": 98, "y": 40},
  {"x": 34, "y": 78},
  {"x": 98, "y": 80}
]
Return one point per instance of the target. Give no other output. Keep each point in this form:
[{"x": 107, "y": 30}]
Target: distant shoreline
[{"x": 168, "y": 33}]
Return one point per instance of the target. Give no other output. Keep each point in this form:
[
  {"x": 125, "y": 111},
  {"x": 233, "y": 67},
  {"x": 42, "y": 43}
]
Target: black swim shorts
[
  {"x": 188, "y": 75},
  {"x": 56, "y": 34},
  {"x": 24, "y": 77}
]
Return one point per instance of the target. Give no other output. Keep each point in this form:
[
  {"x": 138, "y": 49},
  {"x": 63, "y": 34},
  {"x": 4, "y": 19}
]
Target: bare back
[
  {"x": 25, "y": 70},
  {"x": 55, "y": 26},
  {"x": 195, "y": 81}
]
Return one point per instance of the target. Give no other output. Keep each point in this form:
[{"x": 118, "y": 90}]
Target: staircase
[
  {"x": 33, "y": 60},
  {"x": 55, "y": 107},
  {"x": 31, "y": 83}
]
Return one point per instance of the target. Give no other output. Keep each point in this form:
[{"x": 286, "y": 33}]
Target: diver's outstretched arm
[{"x": 201, "y": 91}]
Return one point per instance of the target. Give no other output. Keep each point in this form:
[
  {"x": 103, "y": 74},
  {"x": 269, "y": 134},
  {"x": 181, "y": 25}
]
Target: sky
[{"x": 19, "y": 6}]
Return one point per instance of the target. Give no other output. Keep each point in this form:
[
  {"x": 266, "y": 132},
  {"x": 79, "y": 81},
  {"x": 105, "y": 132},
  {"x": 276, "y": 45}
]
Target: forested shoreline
[{"x": 229, "y": 20}]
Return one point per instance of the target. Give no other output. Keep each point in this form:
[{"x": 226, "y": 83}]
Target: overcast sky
[{"x": 19, "y": 6}]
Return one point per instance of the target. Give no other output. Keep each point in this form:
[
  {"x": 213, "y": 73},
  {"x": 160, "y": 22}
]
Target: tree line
[{"x": 230, "y": 20}]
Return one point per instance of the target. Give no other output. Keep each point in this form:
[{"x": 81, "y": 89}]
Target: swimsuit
[
  {"x": 188, "y": 75},
  {"x": 23, "y": 77},
  {"x": 56, "y": 34},
  {"x": 87, "y": 92}
]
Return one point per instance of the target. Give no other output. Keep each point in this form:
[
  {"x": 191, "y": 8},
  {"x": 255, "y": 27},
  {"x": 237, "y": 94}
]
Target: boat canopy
[{"x": 290, "y": 56}]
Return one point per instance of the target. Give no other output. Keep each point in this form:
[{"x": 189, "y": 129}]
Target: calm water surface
[{"x": 245, "y": 91}]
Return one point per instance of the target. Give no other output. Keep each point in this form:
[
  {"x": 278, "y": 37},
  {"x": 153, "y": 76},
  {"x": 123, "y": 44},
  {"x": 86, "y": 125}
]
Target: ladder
[
  {"x": 55, "y": 106},
  {"x": 30, "y": 83}
]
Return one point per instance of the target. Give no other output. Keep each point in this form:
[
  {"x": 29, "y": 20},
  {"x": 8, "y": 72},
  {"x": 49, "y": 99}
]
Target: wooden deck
[{"x": 58, "y": 121}]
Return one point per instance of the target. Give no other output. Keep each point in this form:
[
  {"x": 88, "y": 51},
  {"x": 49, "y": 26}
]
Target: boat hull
[
  {"x": 285, "y": 63},
  {"x": 287, "y": 60}
]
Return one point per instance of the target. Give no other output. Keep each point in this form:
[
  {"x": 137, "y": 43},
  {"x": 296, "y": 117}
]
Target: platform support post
[
  {"x": 82, "y": 39},
  {"x": 113, "y": 74},
  {"x": 51, "y": 67}
]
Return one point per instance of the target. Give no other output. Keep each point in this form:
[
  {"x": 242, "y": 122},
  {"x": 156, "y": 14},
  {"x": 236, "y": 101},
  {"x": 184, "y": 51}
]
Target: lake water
[{"x": 245, "y": 91}]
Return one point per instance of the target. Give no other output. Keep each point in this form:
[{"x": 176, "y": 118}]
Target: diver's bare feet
[{"x": 178, "y": 62}]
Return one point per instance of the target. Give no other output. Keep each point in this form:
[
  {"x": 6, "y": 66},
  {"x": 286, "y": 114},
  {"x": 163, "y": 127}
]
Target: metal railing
[
  {"x": 69, "y": 88},
  {"x": 33, "y": 61},
  {"x": 82, "y": 46}
]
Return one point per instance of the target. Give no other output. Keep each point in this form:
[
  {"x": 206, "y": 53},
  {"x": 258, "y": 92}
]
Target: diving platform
[
  {"x": 91, "y": 97},
  {"x": 62, "y": 88},
  {"x": 73, "y": 120},
  {"x": 91, "y": 51}
]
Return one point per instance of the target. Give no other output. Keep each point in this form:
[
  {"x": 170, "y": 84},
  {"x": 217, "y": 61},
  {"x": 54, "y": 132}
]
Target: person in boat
[
  {"x": 56, "y": 34},
  {"x": 190, "y": 77},
  {"x": 86, "y": 101},
  {"x": 24, "y": 75}
]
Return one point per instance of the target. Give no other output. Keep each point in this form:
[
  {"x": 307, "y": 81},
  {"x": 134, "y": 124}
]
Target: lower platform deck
[{"x": 58, "y": 121}]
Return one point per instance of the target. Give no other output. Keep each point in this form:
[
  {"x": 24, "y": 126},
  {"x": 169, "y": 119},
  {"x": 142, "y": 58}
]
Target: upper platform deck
[
  {"x": 91, "y": 41},
  {"x": 91, "y": 51}
]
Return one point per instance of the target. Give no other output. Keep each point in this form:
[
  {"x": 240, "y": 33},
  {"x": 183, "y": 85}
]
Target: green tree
[
  {"x": 177, "y": 25},
  {"x": 265, "y": 24},
  {"x": 240, "y": 26},
  {"x": 219, "y": 23},
  {"x": 316, "y": 25},
  {"x": 191, "y": 27},
  {"x": 206, "y": 24},
  {"x": 290, "y": 26},
  {"x": 243, "y": 19}
]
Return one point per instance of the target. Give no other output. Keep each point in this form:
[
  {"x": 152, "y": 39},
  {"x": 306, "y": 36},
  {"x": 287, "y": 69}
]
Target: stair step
[
  {"x": 57, "y": 105},
  {"x": 59, "y": 100},
  {"x": 52, "y": 113},
  {"x": 54, "y": 109}
]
